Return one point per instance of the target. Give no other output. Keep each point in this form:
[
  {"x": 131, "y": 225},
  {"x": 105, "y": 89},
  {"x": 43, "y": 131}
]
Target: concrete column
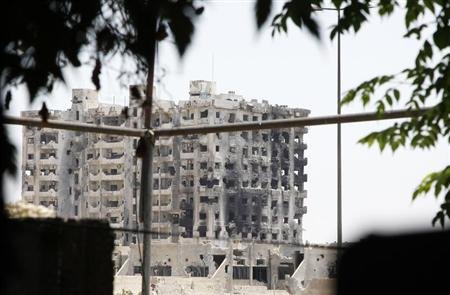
[
  {"x": 250, "y": 260},
  {"x": 230, "y": 266},
  {"x": 210, "y": 233}
]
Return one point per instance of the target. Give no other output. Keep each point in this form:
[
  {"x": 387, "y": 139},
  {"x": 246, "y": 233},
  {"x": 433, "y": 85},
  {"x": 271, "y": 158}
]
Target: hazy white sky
[{"x": 298, "y": 71}]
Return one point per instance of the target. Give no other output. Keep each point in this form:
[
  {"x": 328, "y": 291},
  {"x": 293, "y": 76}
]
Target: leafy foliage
[
  {"x": 38, "y": 39},
  {"x": 428, "y": 78}
]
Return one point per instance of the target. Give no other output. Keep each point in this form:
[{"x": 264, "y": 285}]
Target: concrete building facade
[{"x": 240, "y": 185}]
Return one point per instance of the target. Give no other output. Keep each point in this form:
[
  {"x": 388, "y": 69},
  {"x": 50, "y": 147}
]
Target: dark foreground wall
[
  {"x": 51, "y": 256},
  {"x": 403, "y": 264}
]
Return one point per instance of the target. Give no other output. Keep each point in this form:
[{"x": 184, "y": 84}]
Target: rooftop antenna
[{"x": 212, "y": 67}]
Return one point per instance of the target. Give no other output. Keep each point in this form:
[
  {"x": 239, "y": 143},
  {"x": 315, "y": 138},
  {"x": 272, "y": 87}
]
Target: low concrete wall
[{"x": 315, "y": 275}]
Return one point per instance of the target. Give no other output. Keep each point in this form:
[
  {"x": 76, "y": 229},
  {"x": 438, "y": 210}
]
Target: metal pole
[
  {"x": 286, "y": 123},
  {"x": 270, "y": 124},
  {"x": 339, "y": 156},
  {"x": 147, "y": 167},
  {"x": 67, "y": 125}
]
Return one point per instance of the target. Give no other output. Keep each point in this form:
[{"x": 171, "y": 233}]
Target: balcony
[
  {"x": 48, "y": 177},
  {"x": 49, "y": 161},
  {"x": 165, "y": 141},
  {"x": 94, "y": 194},
  {"x": 94, "y": 161},
  {"x": 49, "y": 145},
  {"x": 161, "y": 224},
  {"x": 166, "y": 191},
  {"x": 113, "y": 159},
  {"x": 107, "y": 193},
  {"x": 95, "y": 177},
  {"x": 189, "y": 155},
  {"x": 116, "y": 224},
  {"x": 166, "y": 125},
  {"x": 165, "y": 207},
  {"x": 51, "y": 193},
  {"x": 28, "y": 196},
  {"x": 93, "y": 208},
  {"x": 114, "y": 211}
]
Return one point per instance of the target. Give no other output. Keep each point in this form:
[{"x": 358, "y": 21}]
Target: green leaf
[
  {"x": 365, "y": 97},
  {"x": 396, "y": 94},
  {"x": 442, "y": 37},
  {"x": 389, "y": 99},
  {"x": 262, "y": 11}
]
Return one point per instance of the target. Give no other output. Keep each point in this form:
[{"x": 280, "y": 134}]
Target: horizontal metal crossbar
[
  {"x": 76, "y": 126},
  {"x": 285, "y": 123},
  {"x": 231, "y": 127}
]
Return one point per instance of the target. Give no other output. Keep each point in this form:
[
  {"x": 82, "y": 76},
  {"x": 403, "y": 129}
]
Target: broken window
[
  {"x": 187, "y": 181},
  {"x": 245, "y": 167},
  {"x": 232, "y": 118},
  {"x": 245, "y": 152},
  {"x": 165, "y": 151},
  {"x": 255, "y": 182},
  {"x": 30, "y": 140},
  {"x": 255, "y": 135},
  {"x": 203, "y": 165},
  {"x": 274, "y": 204},
  {"x": 265, "y": 116},
  {"x": 241, "y": 272},
  {"x": 284, "y": 269},
  {"x": 187, "y": 165},
  {"x": 285, "y": 136},
  {"x": 229, "y": 166},
  {"x": 275, "y": 237},
  {"x": 203, "y": 148},
  {"x": 30, "y": 156},
  {"x": 264, "y": 152},
  {"x": 245, "y": 183},
  {"x": 265, "y": 137},
  {"x": 217, "y": 165},
  {"x": 230, "y": 183},
  {"x": 264, "y": 184},
  {"x": 274, "y": 183},
  {"x": 254, "y": 168},
  {"x": 245, "y": 118},
  {"x": 255, "y": 151},
  {"x": 244, "y": 135},
  {"x": 187, "y": 147},
  {"x": 202, "y": 215},
  {"x": 255, "y": 118},
  {"x": 203, "y": 180},
  {"x": 232, "y": 149},
  {"x": 204, "y": 114},
  {"x": 285, "y": 220}
]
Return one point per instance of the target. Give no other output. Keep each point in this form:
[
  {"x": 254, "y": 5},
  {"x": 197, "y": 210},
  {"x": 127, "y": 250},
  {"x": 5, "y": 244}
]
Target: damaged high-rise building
[{"x": 246, "y": 185}]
